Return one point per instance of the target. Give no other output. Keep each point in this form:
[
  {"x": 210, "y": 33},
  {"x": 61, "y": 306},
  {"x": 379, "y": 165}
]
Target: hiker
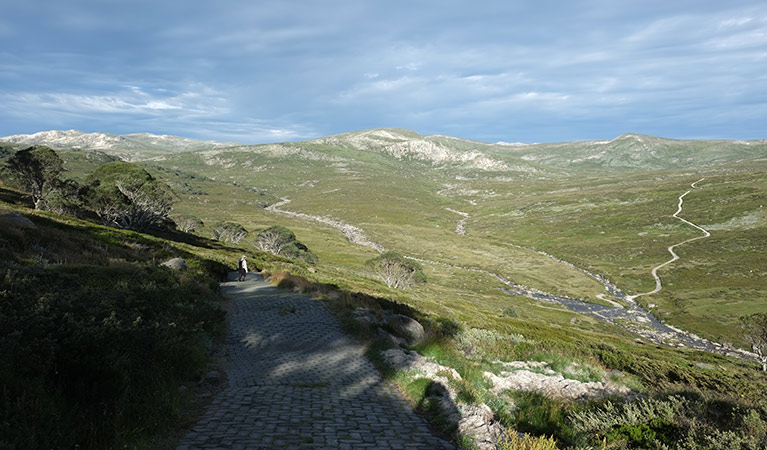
[{"x": 242, "y": 268}]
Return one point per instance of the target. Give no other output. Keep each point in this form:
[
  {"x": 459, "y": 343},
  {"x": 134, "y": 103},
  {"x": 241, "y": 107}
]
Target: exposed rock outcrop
[
  {"x": 550, "y": 383},
  {"x": 175, "y": 264},
  {"x": 406, "y": 329},
  {"x": 477, "y": 421},
  {"x": 474, "y": 421}
]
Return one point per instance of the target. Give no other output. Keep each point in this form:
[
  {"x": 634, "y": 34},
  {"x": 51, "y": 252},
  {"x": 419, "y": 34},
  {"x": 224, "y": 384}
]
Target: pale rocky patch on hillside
[
  {"x": 539, "y": 377},
  {"x": 748, "y": 221},
  {"x": 125, "y": 145},
  {"x": 402, "y": 146}
]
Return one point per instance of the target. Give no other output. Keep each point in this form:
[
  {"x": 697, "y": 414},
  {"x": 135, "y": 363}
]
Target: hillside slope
[
  {"x": 517, "y": 211},
  {"x": 126, "y": 146},
  {"x": 635, "y": 152}
]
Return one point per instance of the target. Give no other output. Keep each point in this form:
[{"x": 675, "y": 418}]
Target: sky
[{"x": 272, "y": 71}]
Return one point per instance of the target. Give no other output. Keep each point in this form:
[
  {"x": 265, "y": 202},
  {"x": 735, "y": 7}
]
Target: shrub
[
  {"x": 35, "y": 170},
  {"x": 755, "y": 330},
  {"x": 674, "y": 422},
  {"x": 279, "y": 240},
  {"x": 229, "y": 232},
  {"x": 91, "y": 349},
  {"x": 397, "y": 271},
  {"x": 513, "y": 441},
  {"x": 124, "y": 195},
  {"x": 188, "y": 224}
]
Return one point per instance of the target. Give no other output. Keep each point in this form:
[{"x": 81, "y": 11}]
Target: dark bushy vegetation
[
  {"x": 35, "y": 170},
  {"x": 96, "y": 336},
  {"x": 229, "y": 232},
  {"x": 279, "y": 240},
  {"x": 125, "y": 195},
  {"x": 120, "y": 194}
]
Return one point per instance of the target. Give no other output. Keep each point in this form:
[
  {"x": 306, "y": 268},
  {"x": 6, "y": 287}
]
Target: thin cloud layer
[{"x": 496, "y": 71}]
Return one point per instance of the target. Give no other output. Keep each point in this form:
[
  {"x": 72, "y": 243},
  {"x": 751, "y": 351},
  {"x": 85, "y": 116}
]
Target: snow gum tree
[
  {"x": 35, "y": 170},
  {"x": 230, "y": 232},
  {"x": 188, "y": 224},
  {"x": 397, "y": 271},
  {"x": 755, "y": 331},
  {"x": 125, "y": 195},
  {"x": 279, "y": 240}
]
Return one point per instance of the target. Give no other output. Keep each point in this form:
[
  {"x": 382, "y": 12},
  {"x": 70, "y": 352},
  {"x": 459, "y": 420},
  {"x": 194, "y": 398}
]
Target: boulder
[
  {"x": 17, "y": 220},
  {"x": 365, "y": 315},
  {"x": 175, "y": 264},
  {"x": 704, "y": 366},
  {"x": 554, "y": 385},
  {"x": 477, "y": 422},
  {"x": 411, "y": 360},
  {"x": 407, "y": 328},
  {"x": 385, "y": 335}
]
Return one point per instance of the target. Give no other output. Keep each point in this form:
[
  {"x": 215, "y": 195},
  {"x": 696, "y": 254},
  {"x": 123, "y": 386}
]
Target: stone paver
[{"x": 295, "y": 380}]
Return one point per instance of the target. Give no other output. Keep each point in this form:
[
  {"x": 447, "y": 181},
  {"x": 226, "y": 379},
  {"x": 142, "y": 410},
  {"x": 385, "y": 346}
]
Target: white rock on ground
[
  {"x": 551, "y": 384},
  {"x": 411, "y": 360},
  {"x": 175, "y": 264},
  {"x": 477, "y": 421}
]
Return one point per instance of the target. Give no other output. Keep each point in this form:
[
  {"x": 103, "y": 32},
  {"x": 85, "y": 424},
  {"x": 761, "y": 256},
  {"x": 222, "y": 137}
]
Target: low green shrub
[
  {"x": 95, "y": 352},
  {"x": 686, "y": 422},
  {"x": 515, "y": 442}
]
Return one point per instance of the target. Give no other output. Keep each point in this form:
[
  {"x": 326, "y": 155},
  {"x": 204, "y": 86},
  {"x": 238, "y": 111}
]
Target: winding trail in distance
[
  {"x": 674, "y": 256},
  {"x": 635, "y": 318}
]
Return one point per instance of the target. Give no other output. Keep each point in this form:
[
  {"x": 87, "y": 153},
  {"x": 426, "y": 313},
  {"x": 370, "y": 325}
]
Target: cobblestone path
[{"x": 295, "y": 380}]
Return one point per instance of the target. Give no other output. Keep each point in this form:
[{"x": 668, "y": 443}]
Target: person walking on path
[{"x": 242, "y": 268}]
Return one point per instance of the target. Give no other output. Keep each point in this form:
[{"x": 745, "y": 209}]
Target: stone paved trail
[{"x": 295, "y": 380}]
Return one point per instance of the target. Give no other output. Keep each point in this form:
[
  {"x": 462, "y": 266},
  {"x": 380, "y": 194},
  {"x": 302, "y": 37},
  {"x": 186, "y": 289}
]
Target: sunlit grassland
[
  {"x": 617, "y": 225},
  {"x": 621, "y": 227}
]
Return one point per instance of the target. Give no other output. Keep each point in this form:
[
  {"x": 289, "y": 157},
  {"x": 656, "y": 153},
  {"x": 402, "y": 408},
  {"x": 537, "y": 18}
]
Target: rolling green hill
[{"x": 604, "y": 206}]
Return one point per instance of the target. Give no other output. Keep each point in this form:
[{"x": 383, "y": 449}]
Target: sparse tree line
[
  {"x": 125, "y": 195},
  {"x": 120, "y": 194}
]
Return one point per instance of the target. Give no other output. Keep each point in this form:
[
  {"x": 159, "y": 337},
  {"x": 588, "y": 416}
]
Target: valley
[{"x": 554, "y": 220}]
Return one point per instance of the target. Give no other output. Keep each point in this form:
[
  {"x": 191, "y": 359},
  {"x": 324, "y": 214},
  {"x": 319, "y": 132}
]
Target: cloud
[
  {"x": 198, "y": 100},
  {"x": 273, "y": 69}
]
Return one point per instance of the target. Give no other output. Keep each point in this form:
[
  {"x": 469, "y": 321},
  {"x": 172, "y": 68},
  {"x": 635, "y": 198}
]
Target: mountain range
[{"x": 628, "y": 152}]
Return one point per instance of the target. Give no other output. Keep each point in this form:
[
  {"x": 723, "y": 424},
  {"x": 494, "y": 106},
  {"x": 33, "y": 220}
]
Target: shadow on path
[{"x": 297, "y": 381}]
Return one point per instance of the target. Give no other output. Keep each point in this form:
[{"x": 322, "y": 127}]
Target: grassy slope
[
  {"x": 621, "y": 226},
  {"x": 618, "y": 224}
]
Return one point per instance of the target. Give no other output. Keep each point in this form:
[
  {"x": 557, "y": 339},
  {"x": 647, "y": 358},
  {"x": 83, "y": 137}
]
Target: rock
[
  {"x": 705, "y": 366},
  {"x": 175, "y": 264},
  {"x": 478, "y": 423},
  {"x": 183, "y": 388},
  {"x": 411, "y": 360},
  {"x": 474, "y": 421},
  {"x": 552, "y": 384},
  {"x": 380, "y": 332},
  {"x": 407, "y": 328},
  {"x": 212, "y": 377},
  {"x": 18, "y": 221},
  {"x": 365, "y": 315}
]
